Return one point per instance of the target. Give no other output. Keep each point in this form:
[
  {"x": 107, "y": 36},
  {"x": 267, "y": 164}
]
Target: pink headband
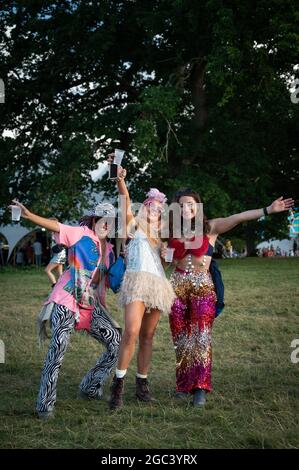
[{"x": 154, "y": 195}]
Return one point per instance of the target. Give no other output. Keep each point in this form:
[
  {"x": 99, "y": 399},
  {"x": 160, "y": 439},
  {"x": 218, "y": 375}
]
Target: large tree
[{"x": 196, "y": 92}]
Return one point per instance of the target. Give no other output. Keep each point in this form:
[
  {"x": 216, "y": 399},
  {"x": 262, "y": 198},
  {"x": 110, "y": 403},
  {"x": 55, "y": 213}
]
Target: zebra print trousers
[{"x": 63, "y": 323}]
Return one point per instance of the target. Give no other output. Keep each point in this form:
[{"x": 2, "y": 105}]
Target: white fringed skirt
[{"x": 154, "y": 291}]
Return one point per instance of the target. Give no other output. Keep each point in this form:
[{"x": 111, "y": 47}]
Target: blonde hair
[{"x": 144, "y": 225}]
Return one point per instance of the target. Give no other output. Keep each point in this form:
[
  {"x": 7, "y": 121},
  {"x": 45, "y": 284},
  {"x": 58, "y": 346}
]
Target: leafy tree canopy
[{"x": 197, "y": 93}]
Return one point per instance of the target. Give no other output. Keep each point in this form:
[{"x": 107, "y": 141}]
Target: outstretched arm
[
  {"x": 49, "y": 224},
  {"x": 225, "y": 224}
]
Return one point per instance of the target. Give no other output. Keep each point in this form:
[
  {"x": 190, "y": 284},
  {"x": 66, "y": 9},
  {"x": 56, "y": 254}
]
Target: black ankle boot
[
  {"x": 117, "y": 391},
  {"x": 199, "y": 397},
  {"x": 142, "y": 390}
]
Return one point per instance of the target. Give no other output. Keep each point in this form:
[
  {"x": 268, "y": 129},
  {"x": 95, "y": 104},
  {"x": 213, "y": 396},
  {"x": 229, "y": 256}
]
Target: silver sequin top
[{"x": 142, "y": 257}]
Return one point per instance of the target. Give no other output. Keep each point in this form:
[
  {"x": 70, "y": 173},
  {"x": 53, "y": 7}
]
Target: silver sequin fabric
[{"x": 142, "y": 257}]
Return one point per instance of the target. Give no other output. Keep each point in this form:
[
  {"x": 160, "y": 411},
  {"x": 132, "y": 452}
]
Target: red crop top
[{"x": 181, "y": 251}]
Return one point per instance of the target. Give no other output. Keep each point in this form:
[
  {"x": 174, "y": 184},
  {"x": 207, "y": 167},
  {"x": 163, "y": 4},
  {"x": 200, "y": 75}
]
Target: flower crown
[{"x": 155, "y": 195}]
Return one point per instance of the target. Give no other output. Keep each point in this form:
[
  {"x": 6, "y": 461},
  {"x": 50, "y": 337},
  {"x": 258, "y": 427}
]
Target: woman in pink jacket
[{"x": 77, "y": 301}]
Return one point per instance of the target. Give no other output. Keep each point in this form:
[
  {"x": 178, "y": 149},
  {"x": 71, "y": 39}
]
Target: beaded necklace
[
  {"x": 190, "y": 269},
  {"x": 191, "y": 266}
]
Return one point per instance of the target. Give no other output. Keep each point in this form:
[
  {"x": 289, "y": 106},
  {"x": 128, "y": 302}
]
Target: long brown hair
[{"x": 176, "y": 198}]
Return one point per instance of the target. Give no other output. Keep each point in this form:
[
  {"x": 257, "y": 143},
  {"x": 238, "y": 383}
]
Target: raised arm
[
  {"x": 123, "y": 190},
  {"x": 49, "y": 224},
  {"x": 225, "y": 224}
]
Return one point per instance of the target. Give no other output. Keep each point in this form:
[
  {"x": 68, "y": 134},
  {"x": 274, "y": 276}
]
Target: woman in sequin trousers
[{"x": 194, "y": 309}]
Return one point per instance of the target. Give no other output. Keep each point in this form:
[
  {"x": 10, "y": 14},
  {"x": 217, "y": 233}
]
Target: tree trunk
[{"x": 250, "y": 240}]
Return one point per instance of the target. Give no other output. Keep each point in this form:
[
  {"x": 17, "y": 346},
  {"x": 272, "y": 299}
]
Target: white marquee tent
[{"x": 14, "y": 234}]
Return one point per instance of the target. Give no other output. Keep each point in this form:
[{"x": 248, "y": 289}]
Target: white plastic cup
[
  {"x": 15, "y": 213},
  {"x": 169, "y": 255},
  {"x": 118, "y": 156}
]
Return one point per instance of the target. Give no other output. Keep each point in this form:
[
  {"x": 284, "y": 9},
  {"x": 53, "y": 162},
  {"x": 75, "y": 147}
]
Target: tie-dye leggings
[
  {"x": 63, "y": 323},
  {"x": 191, "y": 320}
]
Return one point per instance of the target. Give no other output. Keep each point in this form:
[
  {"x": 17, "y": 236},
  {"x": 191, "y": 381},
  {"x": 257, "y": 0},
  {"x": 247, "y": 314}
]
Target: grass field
[{"x": 255, "y": 402}]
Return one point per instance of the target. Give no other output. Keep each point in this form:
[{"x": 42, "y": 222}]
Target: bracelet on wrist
[{"x": 265, "y": 211}]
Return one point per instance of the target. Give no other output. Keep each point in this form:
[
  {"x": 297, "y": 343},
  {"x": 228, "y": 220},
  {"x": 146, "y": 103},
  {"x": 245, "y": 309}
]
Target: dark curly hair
[{"x": 87, "y": 221}]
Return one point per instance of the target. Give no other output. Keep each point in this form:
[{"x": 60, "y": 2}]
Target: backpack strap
[
  {"x": 210, "y": 250},
  {"x": 219, "y": 286},
  {"x": 111, "y": 258}
]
